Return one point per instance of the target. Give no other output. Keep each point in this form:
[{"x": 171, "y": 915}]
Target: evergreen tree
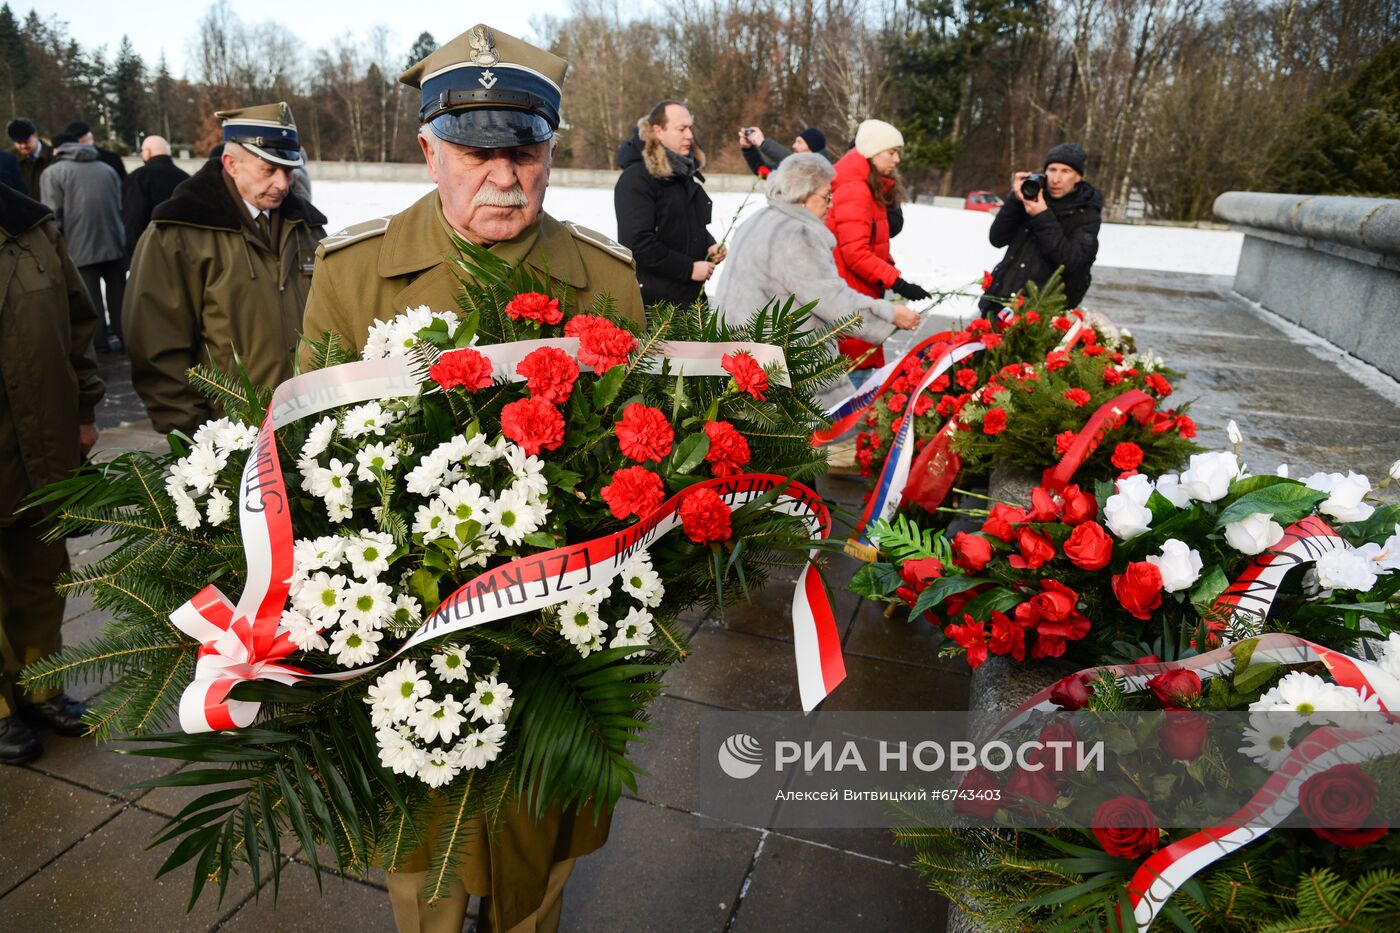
[
  {"x": 423, "y": 46},
  {"x": 127, "y": 95},
  {"x": 14, "y": 61}
]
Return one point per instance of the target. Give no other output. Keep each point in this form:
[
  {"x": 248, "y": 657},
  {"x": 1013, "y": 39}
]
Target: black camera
[{"x": 1032, "y": 185}]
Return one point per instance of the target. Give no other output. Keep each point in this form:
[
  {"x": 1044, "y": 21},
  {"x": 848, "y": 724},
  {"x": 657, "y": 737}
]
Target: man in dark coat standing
[
  {"x": 662, "y": 209},
  {"x": 147, "y": 187},
  {"x": 83, "y": 133},
  {"x": 34, "y": 153},
  {"x": 1058, "y": 228},
  {"x": 10, "y": 175},
  {"x": 760, "y": 152}
]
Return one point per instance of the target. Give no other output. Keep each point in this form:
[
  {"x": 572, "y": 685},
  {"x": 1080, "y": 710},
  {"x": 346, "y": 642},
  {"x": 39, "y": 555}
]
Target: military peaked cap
[
  {"x": 489, "y": 90},
  {"x": 267, "y": 131}
]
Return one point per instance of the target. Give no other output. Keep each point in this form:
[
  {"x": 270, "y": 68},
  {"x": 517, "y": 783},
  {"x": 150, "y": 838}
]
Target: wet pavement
[{"x": 76, "y": 857}]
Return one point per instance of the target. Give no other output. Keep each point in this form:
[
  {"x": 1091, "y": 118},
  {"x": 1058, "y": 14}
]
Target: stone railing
[{"x": 1328, "y": 264}]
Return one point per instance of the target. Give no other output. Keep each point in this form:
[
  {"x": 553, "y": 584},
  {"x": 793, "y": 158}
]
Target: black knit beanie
[
  {"x": 1071, "y": 154},
  {"x": 814, "y": 138}
]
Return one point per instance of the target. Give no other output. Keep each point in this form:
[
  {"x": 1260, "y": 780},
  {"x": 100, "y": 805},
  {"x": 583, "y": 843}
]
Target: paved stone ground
[{"x": 75, "y": 857}]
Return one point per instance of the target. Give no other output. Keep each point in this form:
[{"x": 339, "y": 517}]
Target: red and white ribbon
[{"x": 1247, "y": 601}]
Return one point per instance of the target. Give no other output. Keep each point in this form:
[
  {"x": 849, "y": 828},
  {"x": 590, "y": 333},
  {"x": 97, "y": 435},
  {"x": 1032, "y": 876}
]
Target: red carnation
[
  {"x": 764, "y": 171},
  {"x": 1158, "y": 383},
  {"x": 1032, "y": 317},
  {"x": 748, "y": 375},
  {"x": 1092, "y": 350},
  {"x": 995, "y": 421},
  {"x": 1111, "y": 376},
  {"x": 1125, "y": 827},
  {"x": 549, "y": 374},
  {"x": 1035, "y": 547},
  {"x": 1089, "y": 547},
  {"x": 532, "y": 306},
  {"x": 1139, "y": 588},
  {"x": 601, "y": 343},
  {"x": 1056, "y": 359},
  {"x": 644, "y": 433},
  {"x": 986, "y": 281},
  {"x": 922, "y": 406},
  {"x": 991, "y": 341},
  {"x": 634, "y": 490},
  {"x": 1064, "y": 441},
  {"x": 729, "y": 451},
  {"x": 897, "y": 402},
  {"x": 971, "y": 552},
  {"x": 1079, "y": 397},
  {"x": 967, "y": 378},
  {"x": 940, "y": 384},
  {"x": 1060, "y": 323},
  {"x": 1337, "y": 802},
  {"x": 705, "y": 516},
  {"x": 1185, "y": 426},
  {"x": 534, "y": 424},
  {"x": 1127, "y": 456},
  {"x": 462, "y": 369}
]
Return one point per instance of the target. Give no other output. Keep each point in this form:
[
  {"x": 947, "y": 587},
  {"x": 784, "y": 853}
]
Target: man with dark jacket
[
  {"x": 10, "y": 175},
  {"x": 86, "y": 197},
  {"x": 760, "y": 152},
  {"x": 149, "y": 186},
  {"x": 83, "y": 133},
  {"x": 662, "y": 209},
  {"x": 1058, "y": 228},
  {"x": 34, "y": 153},
  {"x": 51, "y": 389}
]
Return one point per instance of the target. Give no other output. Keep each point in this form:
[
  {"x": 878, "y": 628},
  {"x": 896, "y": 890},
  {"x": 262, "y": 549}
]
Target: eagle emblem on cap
[{"x": 483, "y": 46}]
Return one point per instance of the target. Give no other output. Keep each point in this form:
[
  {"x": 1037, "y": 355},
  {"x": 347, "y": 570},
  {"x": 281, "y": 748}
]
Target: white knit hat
[{"x": 876, "y": 136}]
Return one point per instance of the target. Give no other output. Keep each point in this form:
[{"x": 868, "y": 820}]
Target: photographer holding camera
[{"x": 1051, "y": 219}]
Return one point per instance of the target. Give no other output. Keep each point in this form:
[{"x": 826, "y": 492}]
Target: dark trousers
[
  {"x": 31, "y": 611},
  {"x": 112, "y": 274}
]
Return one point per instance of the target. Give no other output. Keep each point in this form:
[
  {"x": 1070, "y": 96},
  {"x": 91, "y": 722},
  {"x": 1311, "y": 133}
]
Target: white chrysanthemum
[
  {"x": 528, "y": 472},
  {"x": 353, "y": 645},
  {"x": 513, "y": 516},
  {"x": 580, "y": 622},
  {"x": 319, "y": 597},
  {"x": 1267, "y": 738},
  {"x": 1309, "y": 696},
  {"x": 397, "y": 751},
  {"x": 367, "y": 604},
  {"x": 304, "y": 632},
  {"x": 426, "y": 478},
  {"x": 465, "y": 501},
  {"x": 186, "y": 509},
  {"x": 479, "y": 452},
  {"x": 380, "y": 457},
  {"x": 361, "y": 420},
  {"x": 452, "y": 665},
  {"x": 201, "y": 468},
  {"x": 407, "y": 610},
  {"x": 491, "y": 700},
  {"x": 219, "y": 508},
  {"x": 339, "y": 512},
  {"x": 635, "y": 629},
  {"x": 404, "y": 686},
  {"x": 593, "y": 644},
  {"x": 318, "y": 439},
  {"x": 331, "y": 482},
  {"x": 438, "y": 767},
  {"x": 437, "y": 719},
  {"x": 479, "y": 749},
  {"x": 476, "y": 552},
  {"x": 312, "y": 554},
  {"x": 369, "y": 553},
  {"x": 236, "y": 436},
  {"x": 381, "y": 706},
  {"x": 641, "y": 582},
  {"x": 434, "y": 520}
]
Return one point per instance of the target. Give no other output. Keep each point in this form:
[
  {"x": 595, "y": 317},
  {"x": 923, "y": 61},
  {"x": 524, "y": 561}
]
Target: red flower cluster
[
  {"x": 1158, "y": 384},
  {"x": 644, "y": 433},
  {"x": 534, "y": 424},
  {"x": 634, "y": 490},
  {"x": 1127, "y": 456},
  {"x": 601, "y": 343},
  {"x": 461, "y": 369},
  {"x": 705, "y": 516},
  {"x": 748, "y": 375},
  {"x": 729, "y": 451},
  {"x": 1125, "y": 827},
  {"x": 917, "y": 575},
  {"x": 549, "y": 374},
  {"x": 986, "y": 280},
  {"x": 1089, "y": 547},
  {"x": 995, "y": 421},
  {"x": 532, "y": 306},
  {"x": 1053, "y": 616},
  {"x": 1337, "y": 802},
  {"x": 1078, "y": 397}
]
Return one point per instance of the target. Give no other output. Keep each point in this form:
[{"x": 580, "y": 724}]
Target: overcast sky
[{"x": 157, "y": 26}]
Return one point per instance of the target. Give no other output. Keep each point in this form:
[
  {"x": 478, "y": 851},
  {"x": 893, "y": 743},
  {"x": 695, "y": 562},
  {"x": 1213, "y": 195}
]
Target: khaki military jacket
[
  {"x": 378, "y": 269},
  {"x": 47, "y": 369},
  {"x": 206, "y": 287}
]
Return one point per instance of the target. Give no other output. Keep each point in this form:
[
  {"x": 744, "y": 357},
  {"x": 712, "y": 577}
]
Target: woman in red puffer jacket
[{"x": 865, "y": 188}]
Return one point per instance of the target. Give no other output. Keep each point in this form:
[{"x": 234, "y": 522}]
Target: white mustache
[{"x": 488, "y": 195}]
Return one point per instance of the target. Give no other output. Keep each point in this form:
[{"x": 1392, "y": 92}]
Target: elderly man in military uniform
[
  {"x": 49, "y": 389},
  {"x": 490, "y": 108},
  {"x": 222, "y": 273}
]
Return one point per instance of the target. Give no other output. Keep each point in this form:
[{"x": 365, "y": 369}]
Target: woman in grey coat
[{"x": 785, "y": 249}]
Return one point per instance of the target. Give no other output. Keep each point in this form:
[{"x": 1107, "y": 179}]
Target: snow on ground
[{"x": 942, "y": 249}]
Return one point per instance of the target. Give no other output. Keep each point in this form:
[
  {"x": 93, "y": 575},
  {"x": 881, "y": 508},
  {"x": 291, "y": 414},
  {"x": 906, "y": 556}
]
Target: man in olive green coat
[
  {"x": 49, "y": 389},
  {"x": 222, "y": 273},
  {"x": 490, "y": 106}
]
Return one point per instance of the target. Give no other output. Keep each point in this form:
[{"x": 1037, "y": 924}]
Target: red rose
[
  {"x": 534, "y": 424},
  {"x": 1063, "y": 441},
  {"x": 1183, "y": 735},
  {"x": 601, "y": 343},
  {"x": 532, "y": 306},
  {"x": 994, "y": 422},
  {"x": 918, "y": 574},
  {"x": 1033, "y": 784},
  {"x": 1055, "y": 603},
  {"x": 983, "y": 797},
  {"x": 705, "y": 516},
  {"x": 1079, "y": 397},
  {"x": 1127, "y": 456},
  {"x": 897, "y": 402},
  {"x": 729, "y": 451},
  {"x": 971, "y": 637},
  {"x": 1072, "y": 692},
  {"x": 967, "y": 378},
  {"x": 634, "y": 490},
  {"x": 1006, "y": 637},
  {"x": 986, "y": 281},
  {"x": 1035, "y": 547},
  {"x": 1139, "y": 588},
  {"x": 1148, "y": 659},
  {"x": 999, "y": 523},
  {"x": 1125, "y": 827},
  {"x": 1338, "y": 802},
  {"x": 1185, "y": 426},
  {"x": 971, "y": 552},
  {"x": 549, "y": 374},
  {"x": 461, "y": 369},
  {"x": 1111, "y": 376},
  {"x": 1089, "y": 547},
  {"x": 1076, "y": 505},
  {"x": 644, "y": 433},
  {"x": 1175, "y": 689},
  {"x": 1057, "y": 359},
  {"x": 1055, "y": 759},
  {"x": 748, "y": 375},
  {"x": 1158, "y": 384}
]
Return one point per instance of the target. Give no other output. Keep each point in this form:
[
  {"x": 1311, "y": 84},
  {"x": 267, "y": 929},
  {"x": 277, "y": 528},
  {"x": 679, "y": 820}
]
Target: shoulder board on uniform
[
  {"x": 355, "y": 233},
  {"x": 600, "y": 241}
]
